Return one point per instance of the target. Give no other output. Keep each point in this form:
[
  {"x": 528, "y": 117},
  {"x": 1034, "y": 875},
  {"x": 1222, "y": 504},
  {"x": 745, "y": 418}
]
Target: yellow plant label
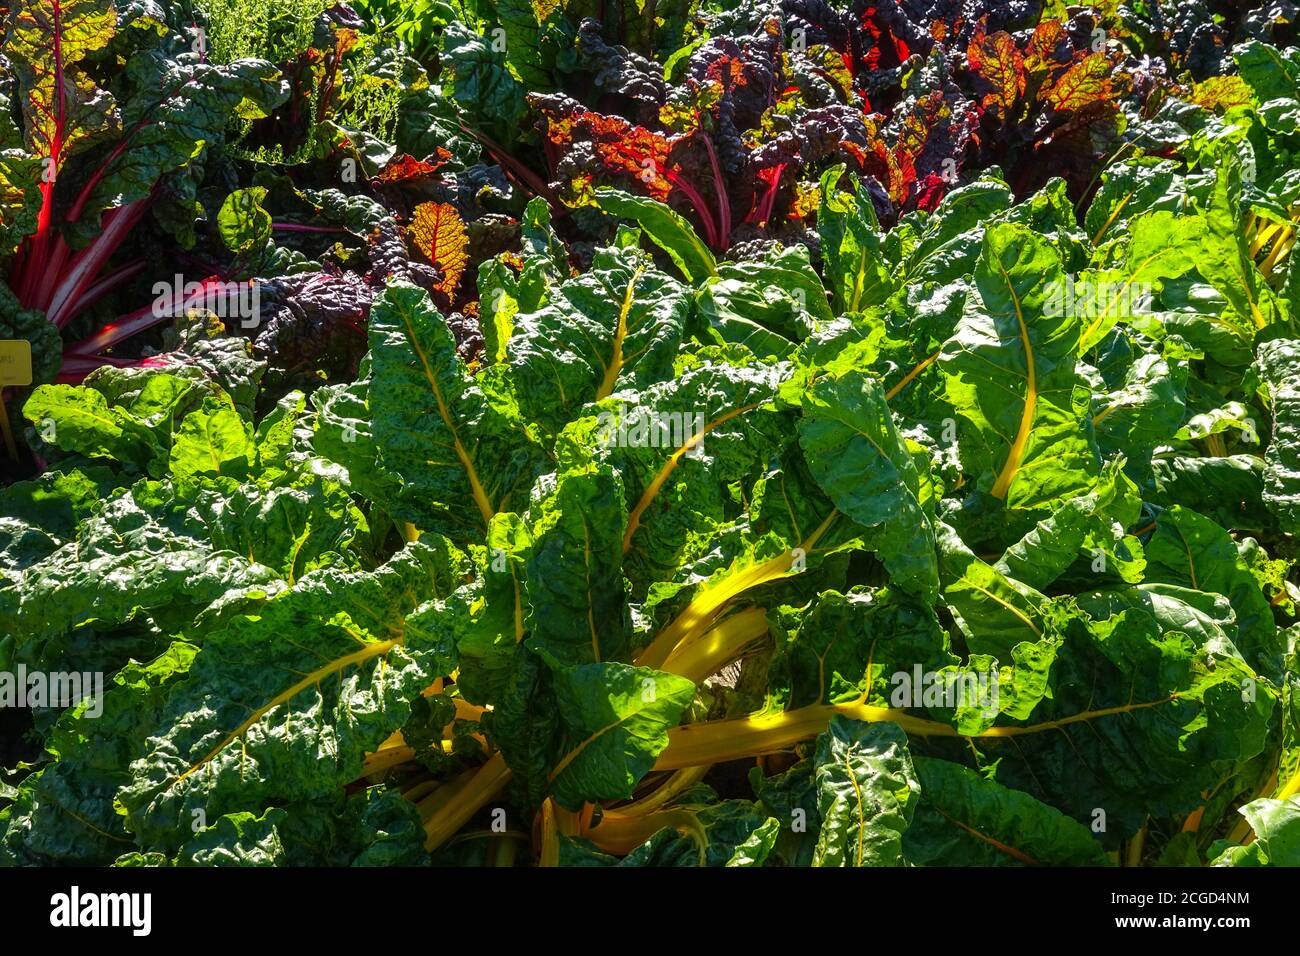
[{"x": 15, "y": 362}]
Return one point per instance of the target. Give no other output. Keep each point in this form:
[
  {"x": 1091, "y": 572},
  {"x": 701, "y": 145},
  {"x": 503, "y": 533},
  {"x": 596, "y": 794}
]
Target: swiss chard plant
[
  {"x": 950, "y": 522},
  {"x": 137, "y": 184},
  {"x": 976, "y": 552},
  {"x": 100, "y": 150},
  {"x": 734, "y": 129}
]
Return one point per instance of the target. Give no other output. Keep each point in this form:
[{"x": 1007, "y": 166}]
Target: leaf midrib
[{"x": 1016, "y": 455}]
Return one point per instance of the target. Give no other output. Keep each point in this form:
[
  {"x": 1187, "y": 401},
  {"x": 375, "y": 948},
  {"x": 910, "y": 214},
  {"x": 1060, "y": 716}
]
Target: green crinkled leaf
[
  {"x": 293, "y": 530},
  {"x": 526, "y": 723},
  {"x": 758, "y": 847},
  {"x": 489, "y": 620},
  {"x": 866, "y": 794},
  {"x": 1277, "y": 360},
  {"x": 125, "y": 566},
  {"x": 339, "y": 659},
  {"x": 1269, "y": 72},
  {"x": 573, "y": 582},
  {"x": 213, "y": 443},
  {"x": 860, "y": 461},
  {"x": 617, "y": 326},
  {"x": 669, "y": 231},
  {"x": 1276, "y": 824},
  {"x": 179, "y": 110},
  {"x": 963, "y": 819},
  {"x": 1225, "y": 258},
  {"x": 824, "y": 649},
  {"x": 1159, "y": 246},
  {"x": 457, "y": 449},
  {"x": 344, "y": 434},
  {"x": 481, "y": 82},
  {"x": 503, "y": 295},
  {"x": 1146, "y": 409},
  {"x": 80, "y": 420},
  {"x": 769, "y": 306},
  {"x": 617, "y": 717},
  {"x": 995, "y": 612},
  {"x": 1158, "y": 700},
  {"x": 1229, "y": 490},
  {"x": 678, "y": 447},
  {"x": 242, "y": 223},
  {"x": 1191, "y": 551},
  {"x": 851, "y": 246},
  {"x": 1091, "y": 526},
  {"x": 237, "y": 839},
  {"x": 65, "y": 813},
  {"x": 1010, "y": 373},
  {"x": 1127, "y": 190}
]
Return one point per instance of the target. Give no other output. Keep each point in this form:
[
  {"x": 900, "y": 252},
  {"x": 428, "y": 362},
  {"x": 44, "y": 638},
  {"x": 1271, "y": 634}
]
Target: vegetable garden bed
[{"x": 764, "y": 433}]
